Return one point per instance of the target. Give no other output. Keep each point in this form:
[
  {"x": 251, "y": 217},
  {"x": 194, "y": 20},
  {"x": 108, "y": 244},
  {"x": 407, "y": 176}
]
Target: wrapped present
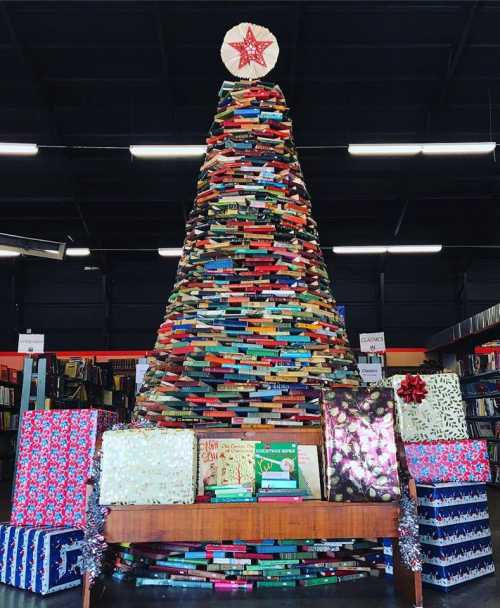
[
  {"x": 465, "y": 460},
  {"x": 436, "y": 412},
  {"x": 456, "y": 553},
  {"x": 360, "y": 446},
  {"x": 56, "y": 452},
  {"x": 148, "y": 466},
  {"x": 40, "y": 559},
  {"x": 450, "y": 494},
  {"x": 447, "y": 577},
  {"x": 454, "y": 533}
]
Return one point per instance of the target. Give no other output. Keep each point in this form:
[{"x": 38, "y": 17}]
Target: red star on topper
[{"x": 251, "y": 49}]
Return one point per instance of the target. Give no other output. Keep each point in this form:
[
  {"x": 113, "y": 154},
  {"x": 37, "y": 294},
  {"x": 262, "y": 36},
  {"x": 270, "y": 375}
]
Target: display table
[{"x": 246, "y": 521}]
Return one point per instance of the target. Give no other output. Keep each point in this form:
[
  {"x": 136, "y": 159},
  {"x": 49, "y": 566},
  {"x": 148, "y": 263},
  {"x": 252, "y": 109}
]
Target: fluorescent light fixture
[
  {"x": 361, "y": 249},
  {"x": 483, "y": 147},
  {"x": 170, "y": 252},
  {"x": 7, "y": 149},
  {"x": 384, "y": 149},
  {"x": 5, "y": 253},
  {"x": 370, "y": 249},
  {"x": 166, "y": 151},
  {"x": 33, "y": 247},
  {"x": 414, "y": 248},
  {"x": 76, "y": 252}
]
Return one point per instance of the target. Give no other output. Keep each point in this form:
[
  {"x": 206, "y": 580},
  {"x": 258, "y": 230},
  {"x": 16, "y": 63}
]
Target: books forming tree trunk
[{"x": 251, "y": 332}]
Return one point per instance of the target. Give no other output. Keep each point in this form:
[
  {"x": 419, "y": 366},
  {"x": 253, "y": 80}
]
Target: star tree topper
[{"x": 249, "y": 51}]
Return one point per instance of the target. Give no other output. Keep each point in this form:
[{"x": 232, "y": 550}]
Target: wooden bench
[{"x": 218, "y": 522}]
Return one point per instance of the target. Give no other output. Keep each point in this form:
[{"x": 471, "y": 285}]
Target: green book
[
  {"x": 280, "y": 572},
  {"x": 276, "y": 584},
  {"x": 324, "y": 580},
  {"x": 275, "y": 457}
]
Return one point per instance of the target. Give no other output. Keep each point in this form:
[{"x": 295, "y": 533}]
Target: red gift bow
[{"x": 412, "y": 389}]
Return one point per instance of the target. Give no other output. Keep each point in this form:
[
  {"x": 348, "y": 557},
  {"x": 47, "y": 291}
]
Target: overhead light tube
[
  {"x": 170, "y": 252},
  {"x": 484, "y": 147},
  {"x": 384, "y": 149},
  {"x": 155, "y": 151},
  {"x": 15, "y": 149},
  {"x": 76, "y": 252},
  {"x": 414, "y": 248},
  {"x": 354, "y": 249},
  {"x": 9, "y": 253}
]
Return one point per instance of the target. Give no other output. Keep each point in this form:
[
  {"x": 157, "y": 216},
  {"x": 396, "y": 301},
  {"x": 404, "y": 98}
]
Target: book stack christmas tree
[{"x": 251, "y": 332}]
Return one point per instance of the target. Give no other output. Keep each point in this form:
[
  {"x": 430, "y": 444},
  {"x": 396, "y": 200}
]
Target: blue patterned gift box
[
  {"x": 40, "y": 559},
  {"x": 455, "y": 514},
  {"x": 446, "y": 577},
  {"x": 450, "y": 494},
  {"x": 454, "y": 533},
  {"x": 457, "y": 553}
]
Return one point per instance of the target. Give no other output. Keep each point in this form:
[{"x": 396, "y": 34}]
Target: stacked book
[
  {"x": 247, "y": 565},
  {"x": 230, "y": 493},
  {"x": 251, "y": 331},
  {"x": 277, "y": 473},
  {"x": 234, "y": 470}
]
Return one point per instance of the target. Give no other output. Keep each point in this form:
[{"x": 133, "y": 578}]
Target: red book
[
  {"x": 280, "y": 498},
  {"x": 228, "y": 548}
]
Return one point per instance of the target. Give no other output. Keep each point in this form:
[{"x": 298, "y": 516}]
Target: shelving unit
[
  {"x": 461, "y": 341},
  {"x": 7, "y": 435}
]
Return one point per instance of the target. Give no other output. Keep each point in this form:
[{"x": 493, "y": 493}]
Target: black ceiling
[{"x": 111, "y": 74}]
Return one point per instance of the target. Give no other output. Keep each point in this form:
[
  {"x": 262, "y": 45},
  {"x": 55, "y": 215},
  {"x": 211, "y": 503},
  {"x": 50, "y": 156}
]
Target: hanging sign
[
  {"x": 31, "y": 343},
  {"x": 372, "y": 343},
  {"x": 370, "y": 372},
  {"x": 140, "y": 369}
]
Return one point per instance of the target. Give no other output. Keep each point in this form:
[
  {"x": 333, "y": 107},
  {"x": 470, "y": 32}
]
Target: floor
[{"x": 378, "y": 593}]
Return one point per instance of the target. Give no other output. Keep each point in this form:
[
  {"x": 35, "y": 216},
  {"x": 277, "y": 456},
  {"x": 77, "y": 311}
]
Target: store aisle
[{"x": 374, "y": 593}]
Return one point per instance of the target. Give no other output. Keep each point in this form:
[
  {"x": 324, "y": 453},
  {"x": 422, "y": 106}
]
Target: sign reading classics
[
  {"x": 31, "y": 343},
  {"x": 372, "y": 343},
  {"x": 370, "y": 372}
]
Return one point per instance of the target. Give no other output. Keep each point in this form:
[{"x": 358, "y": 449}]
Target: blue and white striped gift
[{"x": 40, "y": 559}]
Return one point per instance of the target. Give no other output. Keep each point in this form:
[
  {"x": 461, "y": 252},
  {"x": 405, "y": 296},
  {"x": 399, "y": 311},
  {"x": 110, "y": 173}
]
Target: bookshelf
[
  {"x": 480, "y": 380},
  {"x": 10, "y": 400},
  {"x": 467, "y": 346}
]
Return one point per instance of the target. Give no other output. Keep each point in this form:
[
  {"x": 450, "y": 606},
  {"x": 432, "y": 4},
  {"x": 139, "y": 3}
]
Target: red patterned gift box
[
  {"x": 56, "y": 450},
  {"x": 448, "y": 460}
]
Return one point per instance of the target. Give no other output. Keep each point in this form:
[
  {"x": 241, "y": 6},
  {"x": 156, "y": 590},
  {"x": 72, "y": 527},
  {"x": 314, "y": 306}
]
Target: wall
[{"x": 83, "y": 309}]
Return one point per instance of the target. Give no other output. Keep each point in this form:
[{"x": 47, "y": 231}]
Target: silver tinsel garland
[
  {"x": 94, "y": 545},
  {"x": 409, "y": 542}
]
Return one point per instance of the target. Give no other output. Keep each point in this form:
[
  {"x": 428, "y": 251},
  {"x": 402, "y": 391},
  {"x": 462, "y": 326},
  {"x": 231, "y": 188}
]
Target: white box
[{"x": 148, "y": 466}]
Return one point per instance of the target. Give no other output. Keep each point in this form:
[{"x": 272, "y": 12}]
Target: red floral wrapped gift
[
  {"x": 56, "y": 450},
  {"x": 448, "y": 460}
]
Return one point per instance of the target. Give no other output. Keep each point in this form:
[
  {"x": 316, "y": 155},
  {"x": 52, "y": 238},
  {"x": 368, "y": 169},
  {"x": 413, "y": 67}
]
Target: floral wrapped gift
[
  {"x": 440, "y": 461},
  {"x": 56, "y": 452},
  {"x": 360, "y": 450}
]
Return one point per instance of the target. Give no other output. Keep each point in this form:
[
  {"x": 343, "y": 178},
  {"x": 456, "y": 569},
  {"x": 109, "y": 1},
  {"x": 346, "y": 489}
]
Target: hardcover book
[{"x": 270, "y": 457}]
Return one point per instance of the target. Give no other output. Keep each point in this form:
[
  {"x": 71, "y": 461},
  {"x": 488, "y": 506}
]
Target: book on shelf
[
  {"x": 8, "y": 421},
  {"x": 484, "y": 428},
  {"x": 473, "y": 364},
  {"x": 484, "y": 406},
  {"x": 7, "y": 396}
]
